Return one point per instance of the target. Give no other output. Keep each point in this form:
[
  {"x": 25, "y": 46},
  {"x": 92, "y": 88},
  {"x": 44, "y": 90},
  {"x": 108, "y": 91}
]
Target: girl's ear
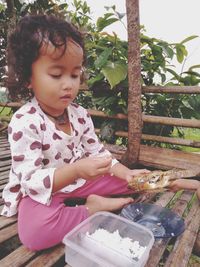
[{"x": 29, "y": 86}]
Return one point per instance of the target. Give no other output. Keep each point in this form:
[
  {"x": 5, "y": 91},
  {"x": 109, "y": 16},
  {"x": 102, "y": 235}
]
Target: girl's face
[{"x": 55, "y": 79}]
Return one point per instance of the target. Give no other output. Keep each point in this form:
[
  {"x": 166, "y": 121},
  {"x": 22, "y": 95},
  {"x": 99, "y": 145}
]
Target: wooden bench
[{"x": 172, "y": 252}]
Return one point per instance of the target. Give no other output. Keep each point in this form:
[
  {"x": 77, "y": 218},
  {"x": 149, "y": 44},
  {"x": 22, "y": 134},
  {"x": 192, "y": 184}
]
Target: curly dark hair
[{"x": 24, "y": 45}]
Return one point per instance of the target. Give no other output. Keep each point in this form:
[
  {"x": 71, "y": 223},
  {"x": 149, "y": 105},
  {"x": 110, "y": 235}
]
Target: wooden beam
[
  {"x": 190, "y": 123},
  {"x": 171, "y": 89},
  {"x": 160, "y": 139},
  {"x": 134, "y": 80}
]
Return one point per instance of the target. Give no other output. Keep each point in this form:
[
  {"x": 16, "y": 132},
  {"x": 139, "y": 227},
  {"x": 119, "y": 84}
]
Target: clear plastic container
[{"x": 83, "y": 251}]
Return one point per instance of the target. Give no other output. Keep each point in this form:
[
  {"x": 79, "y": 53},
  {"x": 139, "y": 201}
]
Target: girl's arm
[
  {"x": 189, "y": 184},
  {"x": 94, "y": 147},
  {"x": 88, "y": 168}
]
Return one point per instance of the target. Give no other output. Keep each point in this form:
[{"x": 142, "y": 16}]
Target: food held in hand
[{"x": 159, "y": 180}]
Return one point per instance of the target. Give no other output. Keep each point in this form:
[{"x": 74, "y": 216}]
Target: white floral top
[{"x": 38, "y": 148}]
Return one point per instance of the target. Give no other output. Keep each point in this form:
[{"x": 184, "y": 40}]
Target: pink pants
[{"x": 41, "y": 226}]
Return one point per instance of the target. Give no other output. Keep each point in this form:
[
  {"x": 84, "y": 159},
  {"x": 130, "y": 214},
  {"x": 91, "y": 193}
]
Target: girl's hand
[
  {"x": 93, "y": 167},
  {"x": 131, "y": 173},
  {"x": 180, "y": 184}
]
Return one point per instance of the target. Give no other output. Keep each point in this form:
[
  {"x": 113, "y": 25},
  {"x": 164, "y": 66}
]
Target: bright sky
[{"x": 170, "y": 20}]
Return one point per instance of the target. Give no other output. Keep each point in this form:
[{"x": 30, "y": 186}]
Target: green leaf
[
  {"x": 194, "y": 67},
  {"x": 95, "y": 79},
  {"x": 181, "y": 52},
  {"x": 167, "y": 49},
  {"x": 192, "y": 73},
  {"x": 102, "y": 23},
  {"x": 189, "y": 39},
  {"x": 102, "y": 58},
  {"x": 173, "y": 73},
  {"x": 2, "y": 7},
  {"x": 107, "y": 15},
  {"x": 163, "y": 77},
  {"x": 115, "y": 72}
]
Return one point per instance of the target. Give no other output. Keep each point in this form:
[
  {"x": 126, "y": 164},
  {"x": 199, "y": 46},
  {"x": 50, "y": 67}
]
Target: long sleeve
[
  {"x": 27, "y": 159},
  {"x": 90, "y": 141},
  {"x": 28, "y": 175}
]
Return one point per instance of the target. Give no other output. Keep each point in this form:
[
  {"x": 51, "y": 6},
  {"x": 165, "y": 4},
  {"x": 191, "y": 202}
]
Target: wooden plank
[
  {"x": 4, "y": 143},
  {"x": 8, "y": 232},
  {"x": 4, "y": 146},
  {"x": 17, "y": 258},
  {"x": 160, "y": 158},
  {"x": 4, "y": 177},
  {"x": 160, "y": 244},
  {"x": 48, "y": 257},
  {"x": 5, "y": 163},
  {"x": 4, "y": 140},
  {"x": 2, "y": 187},
  {"x": 164, "y": 199},
  {"x": 5, "y": 153},
  {"x": 184, "y": 244},
  {"x": 164, "y": 158},
  {"x": 5, "y": 168},
  {"x": 3, "y": 183},
  {"x": 6, "y": 221},
  {"x": 3, "y": 136}
]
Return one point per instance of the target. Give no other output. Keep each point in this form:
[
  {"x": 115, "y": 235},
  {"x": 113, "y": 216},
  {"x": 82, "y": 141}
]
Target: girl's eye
[
  {"x": 75, "y": 76},
  {"x": 55, "y": 76}
]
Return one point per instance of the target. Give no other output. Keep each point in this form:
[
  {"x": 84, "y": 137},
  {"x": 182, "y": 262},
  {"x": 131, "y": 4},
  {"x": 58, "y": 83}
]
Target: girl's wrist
[{"x": 76, "y": 168}]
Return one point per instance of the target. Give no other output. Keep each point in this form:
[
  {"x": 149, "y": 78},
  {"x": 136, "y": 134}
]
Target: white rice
[{"x": 124, "y": 246}]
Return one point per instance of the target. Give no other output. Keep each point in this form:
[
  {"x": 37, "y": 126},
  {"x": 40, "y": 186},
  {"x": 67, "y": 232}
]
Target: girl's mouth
[{"x": 65, "y": 97}]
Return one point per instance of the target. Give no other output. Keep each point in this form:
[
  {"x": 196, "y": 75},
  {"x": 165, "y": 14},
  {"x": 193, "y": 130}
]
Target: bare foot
[{"x": 96, "y": 203}]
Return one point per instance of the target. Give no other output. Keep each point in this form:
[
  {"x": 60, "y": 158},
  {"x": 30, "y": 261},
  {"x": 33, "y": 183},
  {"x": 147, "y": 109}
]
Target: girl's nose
[
  {"x": 67, "y": 84},
  {"x": 67, "y": 88}
]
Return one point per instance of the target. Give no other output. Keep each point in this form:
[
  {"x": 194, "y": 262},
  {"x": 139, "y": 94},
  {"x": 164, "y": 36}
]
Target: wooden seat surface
[
  {"x": 13, "y": 253},
  {"x": 160, "y": 158}
]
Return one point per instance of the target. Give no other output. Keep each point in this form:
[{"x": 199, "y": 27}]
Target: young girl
[{"x": 53, "y": 144}]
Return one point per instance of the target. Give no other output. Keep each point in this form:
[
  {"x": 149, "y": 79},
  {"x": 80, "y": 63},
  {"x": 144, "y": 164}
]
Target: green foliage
[
  {"x": 107, "y": 62},
  {"x": 114, "y": 72}
]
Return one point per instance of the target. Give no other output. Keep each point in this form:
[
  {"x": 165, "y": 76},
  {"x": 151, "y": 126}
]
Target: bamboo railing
[
  {"x": 172, "y": 89},
  {"x": 179, "y": 122}
]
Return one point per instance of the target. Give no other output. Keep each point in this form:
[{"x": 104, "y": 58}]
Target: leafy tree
[{"x": 107, "y": 63}]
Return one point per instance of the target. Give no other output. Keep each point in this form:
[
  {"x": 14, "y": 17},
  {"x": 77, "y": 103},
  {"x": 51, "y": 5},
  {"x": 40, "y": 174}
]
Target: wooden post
[{"x": 134, "y": 75}]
